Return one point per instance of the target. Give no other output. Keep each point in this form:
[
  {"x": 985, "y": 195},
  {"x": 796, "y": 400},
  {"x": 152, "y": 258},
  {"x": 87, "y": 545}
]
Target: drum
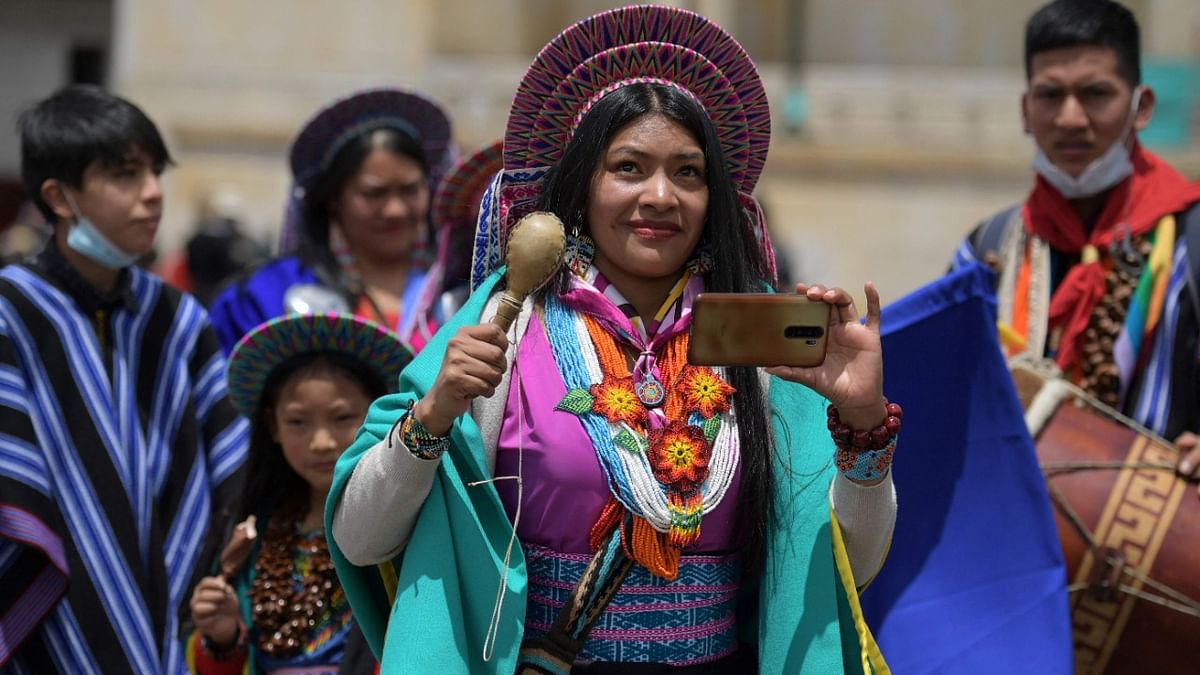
[{"x": 1129, "y": 529}]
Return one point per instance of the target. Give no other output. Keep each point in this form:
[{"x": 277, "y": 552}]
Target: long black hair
[
  {"x": 315, "y": 224},
  {"x": 738, "y": 265},
  {"x": 271, "y": 483}
]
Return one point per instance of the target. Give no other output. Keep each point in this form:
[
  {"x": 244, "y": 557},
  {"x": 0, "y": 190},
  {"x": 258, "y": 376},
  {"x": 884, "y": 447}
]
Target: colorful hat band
[
  {"x": 621, "y": 66},
  {"x": 275, "y": 342},
  {"x": 587, "y": 107},
  {"x": 512, "y": 194},
  {"x": 637, "y": 41}
]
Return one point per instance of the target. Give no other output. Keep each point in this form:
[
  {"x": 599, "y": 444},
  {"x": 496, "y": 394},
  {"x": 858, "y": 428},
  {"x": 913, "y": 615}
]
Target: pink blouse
[{"x": 564, "y": 486}]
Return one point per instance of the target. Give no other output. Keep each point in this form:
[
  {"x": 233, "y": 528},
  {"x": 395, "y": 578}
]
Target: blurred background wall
[{"x": 896, "y": 121}]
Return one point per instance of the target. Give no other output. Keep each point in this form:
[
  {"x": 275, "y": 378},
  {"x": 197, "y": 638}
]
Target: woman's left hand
[{"x": 851, "y": 376}]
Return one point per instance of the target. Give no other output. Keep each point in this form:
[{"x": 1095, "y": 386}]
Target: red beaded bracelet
[{"x": 874, "y": 439}]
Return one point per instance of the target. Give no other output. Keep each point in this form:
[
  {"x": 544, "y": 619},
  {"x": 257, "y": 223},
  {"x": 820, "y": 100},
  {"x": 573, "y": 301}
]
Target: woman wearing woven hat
[
  {"x": 304, "y": 382},
  {"x": 356, "y": 234},
  {"x": 601, "y": 505}
]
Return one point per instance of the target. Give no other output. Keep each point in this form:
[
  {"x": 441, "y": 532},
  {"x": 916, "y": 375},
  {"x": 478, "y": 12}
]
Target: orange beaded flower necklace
[{"x": 666, "y": 449}]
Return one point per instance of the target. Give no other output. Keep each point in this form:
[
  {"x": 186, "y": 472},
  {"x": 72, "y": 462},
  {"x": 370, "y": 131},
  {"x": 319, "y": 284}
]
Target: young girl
[{"x": 305, "y": 382}]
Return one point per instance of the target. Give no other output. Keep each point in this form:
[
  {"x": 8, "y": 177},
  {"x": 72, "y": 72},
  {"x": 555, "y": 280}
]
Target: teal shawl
[{"x": 802, "y": 612}]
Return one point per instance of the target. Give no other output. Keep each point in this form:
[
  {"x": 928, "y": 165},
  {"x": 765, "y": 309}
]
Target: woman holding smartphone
[{"x": 602, "y": 505}]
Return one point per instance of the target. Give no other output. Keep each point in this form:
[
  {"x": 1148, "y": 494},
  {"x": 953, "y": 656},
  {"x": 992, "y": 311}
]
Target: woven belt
[{"x": 648, "y": 620}]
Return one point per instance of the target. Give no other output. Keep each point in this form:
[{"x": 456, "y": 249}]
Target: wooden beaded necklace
[{"x": 286, "y": 616}]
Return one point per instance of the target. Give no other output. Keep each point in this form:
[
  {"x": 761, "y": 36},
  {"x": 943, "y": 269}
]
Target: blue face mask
[{"x": 86, "y": 240}]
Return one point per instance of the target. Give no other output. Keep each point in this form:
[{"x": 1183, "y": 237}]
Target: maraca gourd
[{"x": 535, "y": 251}]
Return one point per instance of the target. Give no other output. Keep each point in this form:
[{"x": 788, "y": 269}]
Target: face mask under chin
[
  {"x": 86, "y": 239},
  {"x": 1106, "y": 171}
]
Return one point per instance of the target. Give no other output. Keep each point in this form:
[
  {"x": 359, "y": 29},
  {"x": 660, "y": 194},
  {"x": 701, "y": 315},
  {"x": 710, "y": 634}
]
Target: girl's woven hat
[{"x": 274, "y": 342}]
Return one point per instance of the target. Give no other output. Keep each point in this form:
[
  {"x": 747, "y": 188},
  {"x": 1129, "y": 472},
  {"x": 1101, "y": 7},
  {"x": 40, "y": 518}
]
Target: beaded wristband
[
  {"x": 417, "y": 438},
  {"x": 865, "y": 465},
  {"x": 865, "y": 455}
]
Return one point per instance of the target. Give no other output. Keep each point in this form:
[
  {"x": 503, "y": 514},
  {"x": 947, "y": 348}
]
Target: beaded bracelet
[
  {"x": 865, "y": 455},
  {"x": 418, "y": 440}
]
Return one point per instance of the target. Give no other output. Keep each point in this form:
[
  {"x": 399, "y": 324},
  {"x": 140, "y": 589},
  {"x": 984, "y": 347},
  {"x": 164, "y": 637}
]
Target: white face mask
[{"x": 1103, "y": 173}]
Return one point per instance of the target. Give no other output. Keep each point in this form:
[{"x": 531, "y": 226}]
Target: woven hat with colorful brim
[
  {"x": 641, "y": 43},
  {"x": 263, "y": 349},
  {"x": 454, "y": 212},
  {"x": 339, "y": 123}
]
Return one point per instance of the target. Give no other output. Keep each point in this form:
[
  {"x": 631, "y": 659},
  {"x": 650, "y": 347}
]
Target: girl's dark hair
[
  {"x": 271, "y": 483},
  {"x": 738, "y": 265},
  {"x": 78, "y": 125},
  {"x": 314, "y": 248}
]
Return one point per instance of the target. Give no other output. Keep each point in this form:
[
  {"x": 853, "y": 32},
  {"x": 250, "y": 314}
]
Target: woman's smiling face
[{"x": 648, "y": 201}]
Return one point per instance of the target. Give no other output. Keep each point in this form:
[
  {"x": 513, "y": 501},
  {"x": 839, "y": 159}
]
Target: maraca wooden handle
[{"x": 506, "y": 311}]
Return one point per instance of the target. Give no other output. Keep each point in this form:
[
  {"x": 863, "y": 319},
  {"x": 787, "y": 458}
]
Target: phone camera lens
[{"x": 800, "y": 332}]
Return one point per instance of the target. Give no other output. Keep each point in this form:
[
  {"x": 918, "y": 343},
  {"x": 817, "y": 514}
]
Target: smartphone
[{"x": 758, "y": 329}]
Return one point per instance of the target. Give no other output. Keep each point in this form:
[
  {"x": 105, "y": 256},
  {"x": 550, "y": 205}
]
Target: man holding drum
[{"x": 1099, "y": 265}]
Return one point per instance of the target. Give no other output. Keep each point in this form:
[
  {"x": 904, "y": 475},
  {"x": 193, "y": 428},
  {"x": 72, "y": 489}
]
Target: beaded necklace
[
  {"x": 1123, "y": 322},
  {"x": 294, "y": 609},
  {"x": 666, "y": 464}
]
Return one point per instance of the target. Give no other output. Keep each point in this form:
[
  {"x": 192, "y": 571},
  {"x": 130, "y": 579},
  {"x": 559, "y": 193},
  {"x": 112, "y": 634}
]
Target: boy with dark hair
[
  {"x": 116, "y": 439},
  {"x": 1099, "y": 266}
]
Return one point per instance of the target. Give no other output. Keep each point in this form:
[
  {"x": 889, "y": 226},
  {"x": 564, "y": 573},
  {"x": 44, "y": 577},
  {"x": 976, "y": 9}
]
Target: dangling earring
[
  {"x": 701, "y": 261},
  {"x": 580, "y": 249}
]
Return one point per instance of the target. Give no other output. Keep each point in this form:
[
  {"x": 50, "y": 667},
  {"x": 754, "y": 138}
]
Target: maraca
[{"x": 535, "y": 250}]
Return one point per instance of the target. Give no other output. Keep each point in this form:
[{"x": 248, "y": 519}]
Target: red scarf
[{"x": 1153, "y": 191}]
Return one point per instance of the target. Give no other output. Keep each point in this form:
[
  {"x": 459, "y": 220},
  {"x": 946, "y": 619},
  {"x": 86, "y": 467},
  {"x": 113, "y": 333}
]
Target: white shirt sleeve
[
  {"x": 867, "y": 516},
  {"x": 381, "y": 501}
]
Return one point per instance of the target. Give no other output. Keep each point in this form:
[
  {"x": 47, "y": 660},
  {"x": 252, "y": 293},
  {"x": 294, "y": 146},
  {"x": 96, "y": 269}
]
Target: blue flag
[{"x": 975, "y": 581}]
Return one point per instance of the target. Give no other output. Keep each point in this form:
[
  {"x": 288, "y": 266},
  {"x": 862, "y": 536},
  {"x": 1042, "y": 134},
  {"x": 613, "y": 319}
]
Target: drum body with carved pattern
[{"x": 1129, "y": 528}]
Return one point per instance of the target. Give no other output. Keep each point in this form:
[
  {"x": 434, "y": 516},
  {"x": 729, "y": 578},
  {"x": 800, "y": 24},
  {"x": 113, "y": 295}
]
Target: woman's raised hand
[
  {"x": 473, "y": 366},
  {"x": 851, "y": 376},
  {"x": 215, "y": 613}
]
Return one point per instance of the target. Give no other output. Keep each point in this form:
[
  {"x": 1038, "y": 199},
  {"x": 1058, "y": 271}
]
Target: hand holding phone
[
  {"x": 758, "y": 329},
  {"x": 851, "y": 377}
]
